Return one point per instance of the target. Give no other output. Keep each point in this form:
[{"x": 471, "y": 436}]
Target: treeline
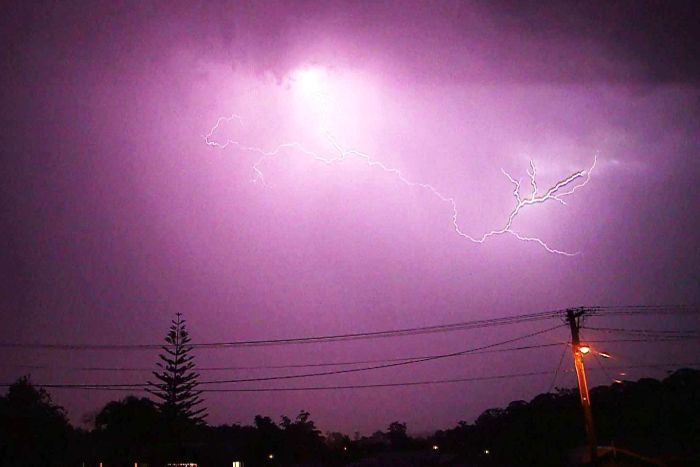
[
  {"x": 34, "y": 431},
  {"x": 656, "y": 418},
  {"x": 659, "y": 419}
]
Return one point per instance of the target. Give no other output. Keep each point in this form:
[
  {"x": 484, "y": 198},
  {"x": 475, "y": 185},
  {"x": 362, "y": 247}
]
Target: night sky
[{"x": 115, "y": 213}]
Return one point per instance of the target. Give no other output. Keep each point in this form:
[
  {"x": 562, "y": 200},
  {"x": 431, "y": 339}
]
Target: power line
[
  {"x": 383, "y": 385},
  {"x": 647, "y": 365},
  {"x": 324, "y": 373},
  {"x": 556, "y": 372},
  {"x": 646, "y": 340},
  {"x": 601, "y": 366},
  {"x": 318, "y": 388},
  {"x": 343, "y": 363},
  {"x": 653, "y": 365},
  {"x": 638, "y": 310},
  {"x": 661, "y": 332},
  {"x": 273, "y": 367},
  {"x": 649, "y": 338},
  {"x": 465, "y": 325},
  {"x": 351, "y": 386}
]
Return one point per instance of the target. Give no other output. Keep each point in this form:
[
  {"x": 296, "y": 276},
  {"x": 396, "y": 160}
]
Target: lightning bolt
[{"x": 557, "y": 192}]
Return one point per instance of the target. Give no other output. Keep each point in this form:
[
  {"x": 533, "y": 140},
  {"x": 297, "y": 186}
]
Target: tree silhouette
[
  {"x": 655, "y": 419},
  {"x": 177, "y": 387},
  {"x": 124, "y": 430},
  {"x": 303, "y": 439},
  {"x": 397, "y": 435},
  {"x": 33, "y": 430}
]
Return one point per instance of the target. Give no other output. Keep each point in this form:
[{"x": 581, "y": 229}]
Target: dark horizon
[
  {"x": 602, "y": 370},
  {"x": 649, "y": 420},
  {"x": 119, "y": 205}
]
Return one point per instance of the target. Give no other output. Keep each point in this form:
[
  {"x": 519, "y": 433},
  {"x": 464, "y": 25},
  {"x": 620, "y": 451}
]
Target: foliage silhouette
[
  {"x": 127, "y": 430},
  {"x": 656, "y": 418},
  {"x": 33, "y": 430},
  {"x": 177, "y": 387}
]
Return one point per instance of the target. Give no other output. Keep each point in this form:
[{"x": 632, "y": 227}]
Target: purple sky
[{"x": 115, "y": 214}]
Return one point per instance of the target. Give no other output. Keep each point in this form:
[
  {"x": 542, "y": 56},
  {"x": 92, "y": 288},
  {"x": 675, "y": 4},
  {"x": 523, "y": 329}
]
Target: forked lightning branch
[{"x": 534, "y": 196}]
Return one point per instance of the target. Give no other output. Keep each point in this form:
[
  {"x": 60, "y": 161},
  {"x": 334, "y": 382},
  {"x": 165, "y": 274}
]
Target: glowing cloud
[
  {"x": 311, "y": 86},
  {"x": 309, "y": 81}
]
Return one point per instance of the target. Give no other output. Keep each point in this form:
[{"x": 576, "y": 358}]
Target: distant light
[
  {"x": 584, "y": 349},
  {"x": 435, "y": 447},
  {"x": 270, "y": 456},
  {"x": 345, "y": 448},
  {"x": 237, "y": 464},
  {"x": 487, "y": 452},
  {"x": 617, "y": 381},
  {"x": 623, "y": 374},
  {"x": 604, "y": 354},
  {"x": 310, "y": 81}
]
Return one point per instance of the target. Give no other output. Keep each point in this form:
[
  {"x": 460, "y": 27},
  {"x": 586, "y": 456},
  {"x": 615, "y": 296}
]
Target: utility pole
[{"x": 572, "y": 317}]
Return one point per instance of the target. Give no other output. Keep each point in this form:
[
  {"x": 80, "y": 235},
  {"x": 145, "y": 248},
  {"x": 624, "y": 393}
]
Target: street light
[{"x": 573, "y": 317}]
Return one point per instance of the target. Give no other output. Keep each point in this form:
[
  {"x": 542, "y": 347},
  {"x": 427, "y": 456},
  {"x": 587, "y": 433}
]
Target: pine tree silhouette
[{"x": 177, "y": 383}]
